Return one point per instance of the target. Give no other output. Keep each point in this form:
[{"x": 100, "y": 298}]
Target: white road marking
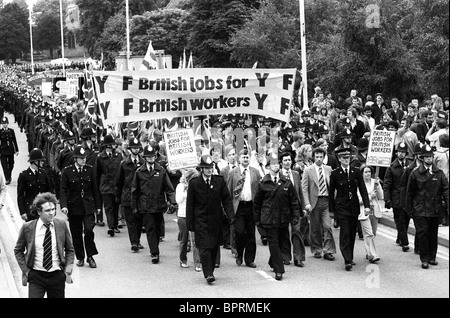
[{"x": 266, "y": 275}]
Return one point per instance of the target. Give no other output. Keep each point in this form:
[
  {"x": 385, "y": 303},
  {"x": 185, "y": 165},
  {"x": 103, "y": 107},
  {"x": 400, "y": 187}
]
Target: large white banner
[{"x": 125, "y": 96}]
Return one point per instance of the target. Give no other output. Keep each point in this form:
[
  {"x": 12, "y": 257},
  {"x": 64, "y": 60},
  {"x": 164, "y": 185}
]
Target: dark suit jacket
[
  {"x": 204, "y": 210},
  {"x": 345, "y": 201},
  {"x": 25, "y": 247},
  {"x": 79, "y": 192},
  {"x": 28, "y": 186},
  {"x": 234, "y": 176},
  {"x": 8, "y": 142}
]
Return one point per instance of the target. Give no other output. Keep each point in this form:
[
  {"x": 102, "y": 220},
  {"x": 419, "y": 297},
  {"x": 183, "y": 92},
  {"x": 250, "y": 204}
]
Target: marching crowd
[{"x": 287, "y": 183}]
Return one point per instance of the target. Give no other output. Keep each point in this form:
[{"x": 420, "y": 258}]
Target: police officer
[
  {"x": 344, "y": 205},
  {"x": 8, "y": 147},
  {"x": 80, "y": 202},
  {"x": 426, "y": 191},
  {"x": 123, "y": 182},
  {"x": 31, "y": 182},
  {"x": 108, "y": 162},
  {"x": 392, "y": 193},
  {"x": 64, "y": 158},
  {"x": 150, "y": 190}
]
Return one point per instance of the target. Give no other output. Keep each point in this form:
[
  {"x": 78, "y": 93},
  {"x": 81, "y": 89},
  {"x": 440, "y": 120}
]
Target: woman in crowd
[
  {"x": 180, "y": 197},
  {"x": 303, "y": 158},
  {"x": 369, "y": 222}
]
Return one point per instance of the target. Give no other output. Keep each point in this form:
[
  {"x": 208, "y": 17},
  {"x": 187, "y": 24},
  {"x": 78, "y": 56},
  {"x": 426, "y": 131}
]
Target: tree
[
  {"x": 14, "y": 34},
  {"x": 211, "y": 24},
  {"x": 269, "y": 38},
  {"x": 47, "y": 29},
  {"x": 164, "y": 28}
]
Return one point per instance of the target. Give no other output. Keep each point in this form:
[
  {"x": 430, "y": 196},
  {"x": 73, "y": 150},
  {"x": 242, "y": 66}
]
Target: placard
[
  {"x": 381, "y": 146},
  {"x": 181, "y": 151}
]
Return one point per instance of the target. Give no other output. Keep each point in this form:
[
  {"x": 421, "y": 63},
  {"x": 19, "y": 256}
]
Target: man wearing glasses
[{"x": 44, "y": 250}]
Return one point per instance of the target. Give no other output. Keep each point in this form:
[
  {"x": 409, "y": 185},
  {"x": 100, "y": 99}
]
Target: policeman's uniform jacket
[
  {"x": 204, "y": 210},
  {"x": 107, "y": 169},
  {"x": 276, "y": 204},
  {"x": 124, "y": 178},
  {"x": 79, "y": 191},
  {"x": 391, "y": 183},
  {"x": 150, "y": 191},
  {"x": 345, "y": 201},
  {"x": 29, "y": 185},
  {"x": 425, "y": 192},
  {"x": 8, "y": 142}
]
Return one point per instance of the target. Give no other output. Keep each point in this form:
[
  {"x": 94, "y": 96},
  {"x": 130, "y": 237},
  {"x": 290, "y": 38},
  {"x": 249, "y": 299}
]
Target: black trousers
[
  {"x": 79, "y": 225},
  {"x": 402, "y": 220},
  {"x": 152, "y": 223},
  {"x": 208, "y": 259},
  {"x": 277, "y": 236},
  {"x": 134, "y": 225},
  {"x": 52, "y": 283},
  {"x": 347, "y": 236},
  {"x": 427, "y": 237},
  {"x": 111, "y": 210},
  {"x": 245, "y": 232},
  {"x": 8, "y": 165}
]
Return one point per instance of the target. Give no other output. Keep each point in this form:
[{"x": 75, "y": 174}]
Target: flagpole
[
  {"x": 62, "y": 36},
  {"x": 127, "y": 15},
  {"x": 31, "y": 38},
  {"x": 303, "y": 48}
]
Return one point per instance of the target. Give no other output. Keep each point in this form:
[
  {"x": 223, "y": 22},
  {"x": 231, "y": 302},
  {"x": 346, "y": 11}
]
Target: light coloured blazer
[
  {"x": 233, "y": 177},
  {"x": 310, "y": 183},
  {"x": 377, "y": 190},
  {"x": 26, "y": 241}
]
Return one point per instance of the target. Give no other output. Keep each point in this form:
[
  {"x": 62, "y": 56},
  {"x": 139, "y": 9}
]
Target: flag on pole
[
  {"x": 184, "y": 58},
  {"x": 90, "y": 101},
  {"x": 190, "y": 62},
  {"x": 149, "y": 62},
  {"x": 255, "y": 65}
]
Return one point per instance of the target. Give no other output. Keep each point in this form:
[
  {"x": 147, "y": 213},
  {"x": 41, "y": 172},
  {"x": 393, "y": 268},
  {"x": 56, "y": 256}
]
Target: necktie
[
  {"x": 207, "y": 182},
  {"x": 110, "y": 155},
  {"x": 275, "y": 180},
  {"x": 47, "y": 261},
  {"x": 322, "y": 185},
  {"x": 240, "y": 184},
  {"x": 288, "y": 174},
  {"x": 346, "y": 172},
  {"x": 135, "y": 162}
]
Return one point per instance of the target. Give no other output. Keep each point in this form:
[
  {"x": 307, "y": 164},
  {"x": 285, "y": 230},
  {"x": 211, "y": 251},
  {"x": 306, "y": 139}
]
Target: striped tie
[
  {"x": 240, "y": 185},
  {"x": 47, "y": 263},
  {"x": 322, "y": 186}
]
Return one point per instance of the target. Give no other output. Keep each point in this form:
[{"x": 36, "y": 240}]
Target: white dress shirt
[
  {"x": 39, "y": 247},
  {"x": 246, "y": 193}
]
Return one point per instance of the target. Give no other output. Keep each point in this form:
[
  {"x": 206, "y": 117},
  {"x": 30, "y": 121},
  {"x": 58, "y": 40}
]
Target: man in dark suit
[
  {"x": 276, "y": 205},
  {"x": 38, "y": 243},
  {"x": 79, "y": 200},
  {"x": 344, "y": 205},
  {"x": 206, "y": 197},
  {"x": 8, "y": 148},
  {"x": 242, "y": 184},
  {"x": 300, "y": 230},
  {"x": 31, "y": 182}
]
